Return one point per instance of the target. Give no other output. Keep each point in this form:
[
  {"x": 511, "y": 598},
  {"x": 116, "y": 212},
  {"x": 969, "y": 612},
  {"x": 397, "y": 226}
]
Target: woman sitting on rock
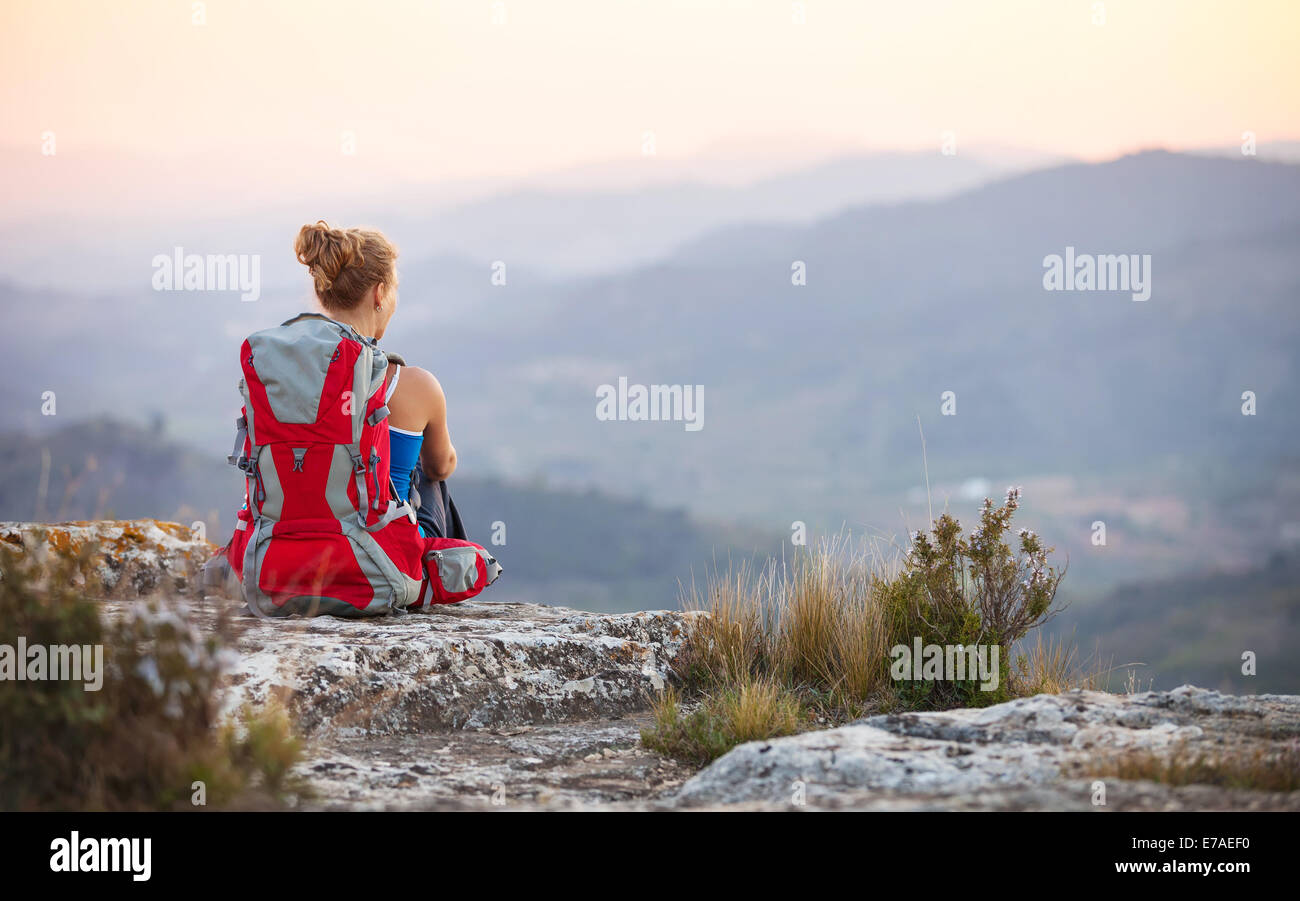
[{"x": 345, "y": 454}]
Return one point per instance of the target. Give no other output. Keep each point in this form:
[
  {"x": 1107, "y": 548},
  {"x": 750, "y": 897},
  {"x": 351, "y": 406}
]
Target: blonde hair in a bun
[{"x": 345, "y": 263}]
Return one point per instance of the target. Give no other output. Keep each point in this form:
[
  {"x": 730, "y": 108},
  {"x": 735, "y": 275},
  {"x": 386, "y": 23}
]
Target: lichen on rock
[
  {"x": 470, "y": 665},
  {"x": 132, "y": 558}
]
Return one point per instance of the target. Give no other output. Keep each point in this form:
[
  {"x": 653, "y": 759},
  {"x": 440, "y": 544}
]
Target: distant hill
[
  {"x": 1196, "y": 628},
  {"x": 820, "y": 386},
  {"x": 563, "y": 546},
  {"x": 1118, "y": 411},
  {"x": 576, "y": 232}
]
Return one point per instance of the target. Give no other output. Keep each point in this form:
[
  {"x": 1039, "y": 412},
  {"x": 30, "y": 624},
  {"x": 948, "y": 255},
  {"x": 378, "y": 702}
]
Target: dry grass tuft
[
  {"x": 1053, "y": 666},
  {"x": 753, "y": 711},
  {"x": 1274, "y": 769}
]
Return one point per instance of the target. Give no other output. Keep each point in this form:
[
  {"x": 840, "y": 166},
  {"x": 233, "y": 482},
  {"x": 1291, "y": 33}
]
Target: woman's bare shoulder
[{"x": 417, "y": 383}]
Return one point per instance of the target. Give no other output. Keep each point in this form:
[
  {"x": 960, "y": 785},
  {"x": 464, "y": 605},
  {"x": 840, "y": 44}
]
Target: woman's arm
[{"x": 419, "y": 405}]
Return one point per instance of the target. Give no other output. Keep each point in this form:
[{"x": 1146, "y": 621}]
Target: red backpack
[{"x": 323, "y": 529}]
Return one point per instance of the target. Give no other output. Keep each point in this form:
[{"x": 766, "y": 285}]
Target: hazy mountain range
[
  {"x": 594, "y": 219},
  {"x": 1105, "y": 409}
]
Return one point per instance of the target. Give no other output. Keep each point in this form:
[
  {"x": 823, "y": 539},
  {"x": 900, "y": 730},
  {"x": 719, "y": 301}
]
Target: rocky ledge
[
  {"x": 1046, "y": 752},
  {"x": 486, "y": 705},
  {"x": 462, "y": 666},
  {"x": 470, "y": 705}
]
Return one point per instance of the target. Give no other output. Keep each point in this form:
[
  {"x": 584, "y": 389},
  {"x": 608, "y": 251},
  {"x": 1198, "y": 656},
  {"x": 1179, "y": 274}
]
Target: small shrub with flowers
[
  {"x": 977, "y": 588},
  {"x": 152, "y": 732}
]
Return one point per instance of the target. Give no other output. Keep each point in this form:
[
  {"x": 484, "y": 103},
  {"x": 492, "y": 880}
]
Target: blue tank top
[{"x": 404, "y": 450}]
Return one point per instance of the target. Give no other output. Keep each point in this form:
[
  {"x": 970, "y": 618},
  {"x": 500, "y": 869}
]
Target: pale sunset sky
[{"x": 258, "y": 99}]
